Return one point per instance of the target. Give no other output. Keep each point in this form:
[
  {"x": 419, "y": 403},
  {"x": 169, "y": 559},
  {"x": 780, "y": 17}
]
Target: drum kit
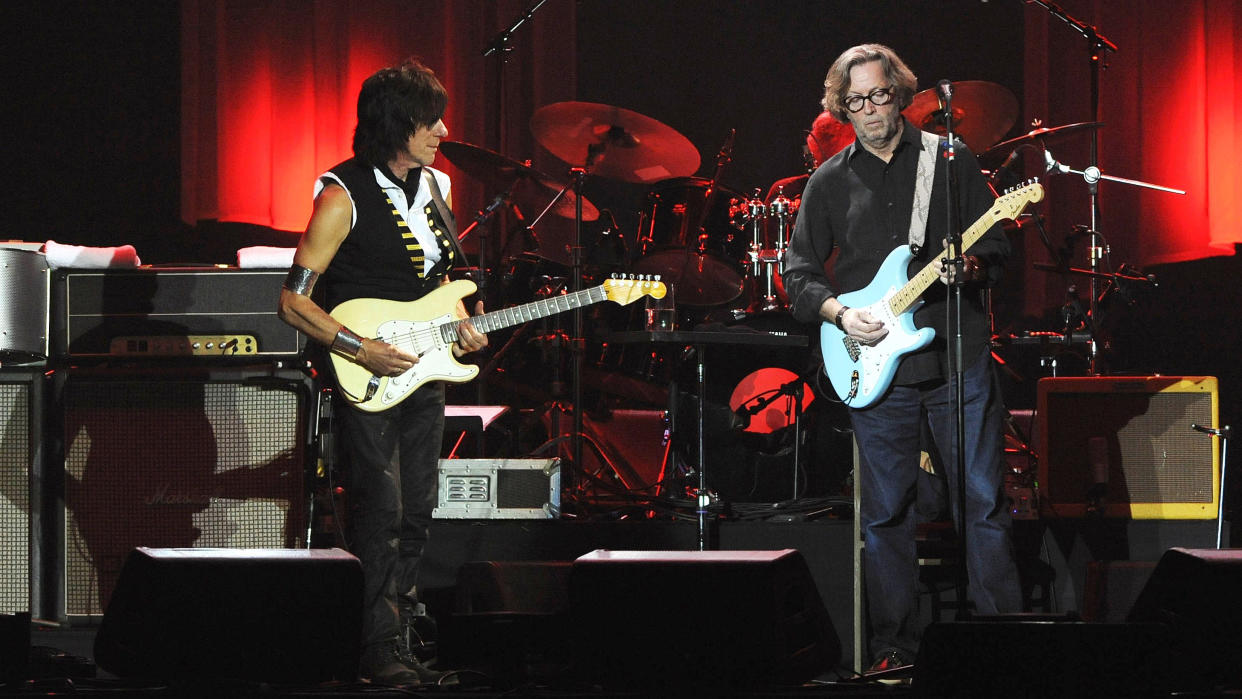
[{"x": 720, "y": 250}]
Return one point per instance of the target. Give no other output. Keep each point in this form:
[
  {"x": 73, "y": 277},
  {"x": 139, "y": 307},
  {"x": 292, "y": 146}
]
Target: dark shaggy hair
[{"x": 392, "y": 104}]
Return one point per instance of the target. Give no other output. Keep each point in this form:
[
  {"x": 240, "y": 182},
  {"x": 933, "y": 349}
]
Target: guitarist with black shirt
[
  {"x": 876, "y": 196},
  {"x": 382, "y": 228}
]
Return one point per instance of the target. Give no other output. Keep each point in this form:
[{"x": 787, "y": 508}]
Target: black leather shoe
[{"x": 384, "y": 664}]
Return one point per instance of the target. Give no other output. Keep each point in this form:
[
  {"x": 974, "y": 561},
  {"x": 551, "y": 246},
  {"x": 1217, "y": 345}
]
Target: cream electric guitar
[
  {"x": 427, "y": 328},
  {"x": 861, "y": 373}
]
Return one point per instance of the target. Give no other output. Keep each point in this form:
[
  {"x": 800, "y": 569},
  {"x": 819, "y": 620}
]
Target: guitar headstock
[
  {"x": 628, "y": 290},
  {"x": 1014, "y": 200}
]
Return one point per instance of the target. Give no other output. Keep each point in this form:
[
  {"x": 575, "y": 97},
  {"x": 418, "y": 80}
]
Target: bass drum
[{"x": 685, "y": 236}]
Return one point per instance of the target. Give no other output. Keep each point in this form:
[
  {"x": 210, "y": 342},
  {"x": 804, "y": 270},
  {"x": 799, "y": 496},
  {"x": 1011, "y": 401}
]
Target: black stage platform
[{"x": 527, "y": 653}]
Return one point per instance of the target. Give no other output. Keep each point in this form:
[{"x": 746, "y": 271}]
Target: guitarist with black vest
[
  {"x": 382, "y": 228},
  {"x": 880, "y": 204}
]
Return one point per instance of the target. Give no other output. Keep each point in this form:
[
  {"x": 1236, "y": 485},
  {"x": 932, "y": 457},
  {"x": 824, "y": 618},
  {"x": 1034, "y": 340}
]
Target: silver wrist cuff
[
  {"x": 300, "y": 280},
  {"x": 347, "y": 343}
]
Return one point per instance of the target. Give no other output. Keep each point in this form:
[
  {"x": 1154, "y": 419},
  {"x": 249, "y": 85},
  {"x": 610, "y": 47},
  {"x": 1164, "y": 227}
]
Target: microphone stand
[
  {"x": 499, "y": 47},
  {"x": 953, "y": 312},
  {"x": 1223, "y": 433},
  {"x": 794, "y": 388},
  {"x": 1097, "y": 44}
]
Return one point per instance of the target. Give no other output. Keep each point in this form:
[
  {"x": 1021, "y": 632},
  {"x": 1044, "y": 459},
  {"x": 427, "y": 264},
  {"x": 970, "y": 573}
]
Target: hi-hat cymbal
[
  {"x": 530, "y": 187},
  {"x": 982, "y": 112},
  {"x": 1041, "y": 134},
  {"x": 614, "y": 142}
]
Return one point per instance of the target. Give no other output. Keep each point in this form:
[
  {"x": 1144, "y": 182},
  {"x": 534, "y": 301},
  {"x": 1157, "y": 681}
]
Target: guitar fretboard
[
  {"x": 534, "y": 310},
  {"x": 1005, "y": 207}
]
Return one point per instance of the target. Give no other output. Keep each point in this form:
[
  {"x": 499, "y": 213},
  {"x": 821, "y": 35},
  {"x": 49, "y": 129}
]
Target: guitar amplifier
[
  {"x": 1123, "y": 447},
  {"x": 166, "y": 312}
]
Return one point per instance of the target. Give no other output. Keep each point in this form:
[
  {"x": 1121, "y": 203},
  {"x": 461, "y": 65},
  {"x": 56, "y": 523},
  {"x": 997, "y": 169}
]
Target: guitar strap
[
  {"x": 446, "y": 215},
  {"x": 923, "y": 178}
]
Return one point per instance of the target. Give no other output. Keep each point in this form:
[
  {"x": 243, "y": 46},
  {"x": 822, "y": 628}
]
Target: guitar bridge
[{"x": 851, "y": 347}]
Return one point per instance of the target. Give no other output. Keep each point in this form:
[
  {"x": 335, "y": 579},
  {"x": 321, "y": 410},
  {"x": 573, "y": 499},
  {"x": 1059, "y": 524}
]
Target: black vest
[{"x": 373, "y": 262}]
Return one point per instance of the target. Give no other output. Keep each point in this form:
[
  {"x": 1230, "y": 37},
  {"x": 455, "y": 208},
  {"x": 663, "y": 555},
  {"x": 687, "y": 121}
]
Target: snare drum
[{"x": 686, "y": 237}]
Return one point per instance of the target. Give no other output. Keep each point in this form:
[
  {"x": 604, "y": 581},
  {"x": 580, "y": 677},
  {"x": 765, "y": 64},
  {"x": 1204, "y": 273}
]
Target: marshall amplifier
[
  {"x": 187, "y": 312},
  {"x": 206, "y": 457}
]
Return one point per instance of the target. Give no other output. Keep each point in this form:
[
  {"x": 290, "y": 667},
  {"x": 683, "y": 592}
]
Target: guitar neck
[
  {"x": 514, "y": 315},
  {"x": 908, "y": 295}
]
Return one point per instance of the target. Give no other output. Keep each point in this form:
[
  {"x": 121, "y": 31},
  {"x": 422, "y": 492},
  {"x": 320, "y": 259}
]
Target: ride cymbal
[
  {"x": 530, "y": 187},
  {"x": 1040, "y": 134},
  {"x": 614, "y": 142},
  {"x": 983, "y": 112}
]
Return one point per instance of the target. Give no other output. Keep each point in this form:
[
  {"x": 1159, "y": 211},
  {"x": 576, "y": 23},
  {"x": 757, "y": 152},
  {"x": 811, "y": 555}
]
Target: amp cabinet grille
[{"x": 216, "y": 460}]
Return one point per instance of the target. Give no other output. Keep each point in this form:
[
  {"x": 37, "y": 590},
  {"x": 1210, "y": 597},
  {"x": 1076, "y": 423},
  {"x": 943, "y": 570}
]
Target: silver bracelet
[
  {"x": 347, "y": 343},
  {"x": 300, "y": 280}
]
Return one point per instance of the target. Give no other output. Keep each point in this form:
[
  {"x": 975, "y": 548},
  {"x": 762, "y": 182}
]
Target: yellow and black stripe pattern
[
  {"x": 446, "y": 247},
  {"x": 417, "y": 255}
]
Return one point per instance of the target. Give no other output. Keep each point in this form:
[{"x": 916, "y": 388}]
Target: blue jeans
[
  {"x": 391, "y": 458},
  {"x": 888, "y": 435}
]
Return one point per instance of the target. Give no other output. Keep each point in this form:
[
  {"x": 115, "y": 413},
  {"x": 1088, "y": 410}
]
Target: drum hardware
[
  {"x": 766, "y": 254},
  {"x": 521, "y": 187},
  {"x": 982, "y": 112},
  {"x": 608, "y": 141},
  {"x": 1097, "y": 250}
]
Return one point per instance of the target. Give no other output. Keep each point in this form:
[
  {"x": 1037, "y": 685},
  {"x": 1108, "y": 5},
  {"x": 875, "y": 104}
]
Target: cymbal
[
  {"x": 530, "y": 187},
  {"x": 982, "y": 112},
  {"x": 614, "y": 142},
  {"x": 1041, "y": 134}
]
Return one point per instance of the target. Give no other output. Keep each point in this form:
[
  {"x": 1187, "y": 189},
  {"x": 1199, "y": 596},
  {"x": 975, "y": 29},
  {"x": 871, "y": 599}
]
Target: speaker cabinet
[
  {"x": 288, "y": 616},
  {"x": 720, "y": 618},
  {"x": 178, "y": 459},
  {"x": 1195, "y": 592},
  {"x": 20, "y": 459},
  {"x": 1123, "y": 447}
]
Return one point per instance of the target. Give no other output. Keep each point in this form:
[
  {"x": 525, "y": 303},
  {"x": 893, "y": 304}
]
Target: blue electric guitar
[{"x": 862, "y": 373}]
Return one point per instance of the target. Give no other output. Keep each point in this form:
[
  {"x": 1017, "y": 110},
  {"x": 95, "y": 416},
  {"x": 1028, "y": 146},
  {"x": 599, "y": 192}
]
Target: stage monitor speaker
[
  {"x": 698, "y": 618},
  {"x": 1038, "y": 659},
  {"x": 178, "y": 459},
  {"x": 258, "y": 615},
  {"x": 1123, "y": 447},
  {"x": 1195, "y": 592},
  {"x": 20, "y": 457}
]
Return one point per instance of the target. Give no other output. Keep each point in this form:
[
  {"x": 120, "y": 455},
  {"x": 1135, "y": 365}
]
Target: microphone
[
  {"x": 945, "y": 88},
  {"x": 1051, "y": 164},
  {"x": 1217, "y": 431},
  {"x": 740, "y": 419},
  {"x": 491, "y": 208},
  {"x": 1013, "y": 155}
]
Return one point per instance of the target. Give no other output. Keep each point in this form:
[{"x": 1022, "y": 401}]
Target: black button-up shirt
[{"x": 860, "y": 206}]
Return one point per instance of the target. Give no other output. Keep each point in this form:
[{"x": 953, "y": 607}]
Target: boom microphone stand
[{"x": 1097, "y": 44}]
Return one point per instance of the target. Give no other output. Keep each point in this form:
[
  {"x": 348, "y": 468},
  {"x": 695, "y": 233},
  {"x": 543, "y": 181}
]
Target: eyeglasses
[{"x": 879, "y": 97}]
